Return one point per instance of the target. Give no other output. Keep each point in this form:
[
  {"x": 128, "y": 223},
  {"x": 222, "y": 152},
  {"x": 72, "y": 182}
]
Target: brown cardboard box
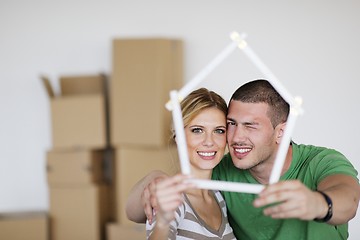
[
  {"x": 120, "y": 232},
  {"x": 77, "y": 168},
  {"x": 24, "y": 226},
  {"x": 79, "y": 120},
  {"x": 144, "y": 71},
  {"x": 132, "y": 164},
  {"x": 79, "y": 213},
  {"x": 82, "y": 85}
]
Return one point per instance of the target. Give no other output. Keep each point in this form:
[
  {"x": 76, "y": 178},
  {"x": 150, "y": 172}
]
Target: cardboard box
[
  {"x": 24, "y": 226},
  {"x": 116, "y": 231},
  {"x": 132, "y": 164},
  {"x": 78, "y": 168},
  {"x": 79, "y": 120},
  {"x": 144, "y": 72},
  {"x": 79, "y": 213},
  {"x": 82, "y": 85}
]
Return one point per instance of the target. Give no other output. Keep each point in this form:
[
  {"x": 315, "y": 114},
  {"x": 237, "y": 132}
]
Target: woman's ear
[{"x": 280, "y": 129}]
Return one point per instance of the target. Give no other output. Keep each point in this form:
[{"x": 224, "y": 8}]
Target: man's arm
[
  {"x": 297, "y": 201},
  {"x": 139, "y": 206},
  {"x": 344, "y": 192}
]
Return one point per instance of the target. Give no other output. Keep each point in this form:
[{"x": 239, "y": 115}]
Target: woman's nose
[{"x": 208, "y": 140}]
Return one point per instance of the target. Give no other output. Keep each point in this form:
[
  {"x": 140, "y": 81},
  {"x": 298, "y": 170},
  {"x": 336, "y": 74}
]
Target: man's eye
[
  {"x": 250, "y": 126},
  {"x": 230, "y": 123}
]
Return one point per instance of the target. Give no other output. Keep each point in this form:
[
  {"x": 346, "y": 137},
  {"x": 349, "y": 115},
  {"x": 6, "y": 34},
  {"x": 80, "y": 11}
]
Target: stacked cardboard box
[
  {"x": 79, "y": 115},
  {"x": 93, "y": 147},
  {"x": 24, "y": 226},
  {"x": 123, "y": 232},
  {"x": 78, "y": 165},
  {"x": 144, "y": 72}
]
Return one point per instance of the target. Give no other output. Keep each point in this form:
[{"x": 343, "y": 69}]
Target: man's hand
[
  {"x": 148, "y": 198},
  {"x": 293, "y": 200},
  {"x": 138, "y": 198}
]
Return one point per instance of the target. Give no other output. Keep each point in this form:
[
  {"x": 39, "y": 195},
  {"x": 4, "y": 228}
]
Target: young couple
[{"x": 318, "y": 192}]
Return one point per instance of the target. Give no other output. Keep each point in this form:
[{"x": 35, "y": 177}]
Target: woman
[{"x": 184, "y": 212}]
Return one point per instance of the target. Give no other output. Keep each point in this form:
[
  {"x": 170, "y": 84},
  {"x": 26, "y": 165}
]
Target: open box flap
[{"x": 48, "y": 87}]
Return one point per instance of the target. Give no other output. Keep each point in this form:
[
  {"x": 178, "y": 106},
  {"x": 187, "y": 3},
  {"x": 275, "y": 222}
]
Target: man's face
[{"x": 250, "y": 135}]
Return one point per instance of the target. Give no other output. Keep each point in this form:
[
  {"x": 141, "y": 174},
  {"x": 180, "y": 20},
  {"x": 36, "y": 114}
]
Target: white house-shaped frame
[{"x": 174, "y": 106}]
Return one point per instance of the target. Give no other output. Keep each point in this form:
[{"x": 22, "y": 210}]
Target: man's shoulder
[{"x": 313, "y": 150}]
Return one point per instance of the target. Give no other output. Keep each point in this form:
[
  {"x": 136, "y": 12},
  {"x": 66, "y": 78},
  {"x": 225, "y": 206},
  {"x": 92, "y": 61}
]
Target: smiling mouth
[
  {"x": 207, "y": 154},
  {"x": 242, "y": 150}
]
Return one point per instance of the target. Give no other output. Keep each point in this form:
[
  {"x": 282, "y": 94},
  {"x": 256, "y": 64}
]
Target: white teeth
[
  {"x": 207, "y": 154},
  {"x": 242, "y": 150}
]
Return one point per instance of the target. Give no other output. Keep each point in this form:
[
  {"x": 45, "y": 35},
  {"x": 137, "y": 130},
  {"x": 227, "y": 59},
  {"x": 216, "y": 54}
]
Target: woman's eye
[
  {"x": 196, "y": 130},
  {"x": 220, "y": 131}
]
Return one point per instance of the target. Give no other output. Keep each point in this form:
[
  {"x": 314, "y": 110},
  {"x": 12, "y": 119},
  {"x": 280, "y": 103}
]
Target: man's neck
[{"x": 263, "y": 171}]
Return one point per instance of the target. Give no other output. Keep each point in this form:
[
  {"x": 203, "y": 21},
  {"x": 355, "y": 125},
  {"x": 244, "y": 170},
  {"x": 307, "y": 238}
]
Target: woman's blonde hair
[{"x": 197, "y": 101}]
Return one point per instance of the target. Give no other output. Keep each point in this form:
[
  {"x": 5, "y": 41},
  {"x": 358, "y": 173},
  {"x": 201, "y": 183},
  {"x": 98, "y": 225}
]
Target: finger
[
  {"x": 281, "y": 186},
  {"x": 152, "y": 187},
  {"x": 280, "y": 192},
  {"x": 174, "y": 193},
  {"x": 160, "y": 178},
  {"x": 171, "y": 187},
  {"x": 149, "y": 203},
  {"x": 170, "y": 204},
  {"x": 148, "y": 212},
  {"x": 296, "y": 205},
  {"x": 282, "y": 210},
  {"x": 276, "y": 197},
  {"x": 145, "y": 200},
  {"x": 153, "y": 202},
  {"x": 296, "y": 212},
  {"x": 169, "y": 193},
  {"x": 166, "y": 193},
  {"x": 176, "y": 188},
  {"x": 179, "y": 178},
  {"x": 287, "y": 214},
  {"x": 269, "y": 199}
]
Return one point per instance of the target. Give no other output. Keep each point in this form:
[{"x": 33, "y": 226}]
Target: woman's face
[{"x": 206, "y": 139}]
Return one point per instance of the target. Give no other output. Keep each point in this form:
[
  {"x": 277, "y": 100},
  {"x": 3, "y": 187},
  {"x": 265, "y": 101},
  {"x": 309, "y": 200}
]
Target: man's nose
[{"x": 239, "y": 134}]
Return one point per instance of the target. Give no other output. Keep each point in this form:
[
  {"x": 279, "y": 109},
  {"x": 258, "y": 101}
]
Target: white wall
[{"x": 311, "y": 46}]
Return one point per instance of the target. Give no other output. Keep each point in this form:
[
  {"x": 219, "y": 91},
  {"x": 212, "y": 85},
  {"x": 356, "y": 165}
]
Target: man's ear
[{"x": 280, "y": 129}]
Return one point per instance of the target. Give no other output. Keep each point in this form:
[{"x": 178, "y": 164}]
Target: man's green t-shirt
[{"x": 310, "y": 164}]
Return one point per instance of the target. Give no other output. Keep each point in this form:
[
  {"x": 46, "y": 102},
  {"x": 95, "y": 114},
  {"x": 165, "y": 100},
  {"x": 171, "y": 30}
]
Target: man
[{"x": 321, "y": 192}]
